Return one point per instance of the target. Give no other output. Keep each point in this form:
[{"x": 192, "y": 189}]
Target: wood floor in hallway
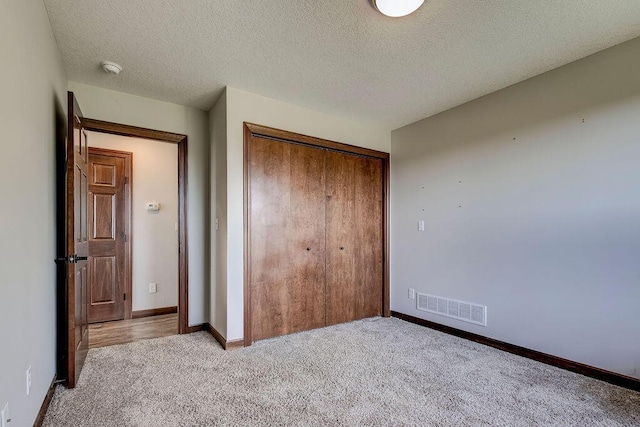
[{"x": 125, "y": 331}]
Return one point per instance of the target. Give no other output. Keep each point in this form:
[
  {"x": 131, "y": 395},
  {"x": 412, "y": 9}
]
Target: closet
[{"x": 315, "y": 233}]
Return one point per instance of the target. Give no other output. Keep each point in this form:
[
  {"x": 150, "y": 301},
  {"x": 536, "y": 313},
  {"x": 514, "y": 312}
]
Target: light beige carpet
[{"x": 374, "y": 372}]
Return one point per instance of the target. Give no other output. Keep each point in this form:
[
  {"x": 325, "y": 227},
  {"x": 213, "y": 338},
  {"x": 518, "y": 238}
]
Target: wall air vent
[{"x": 465, "y": 311}]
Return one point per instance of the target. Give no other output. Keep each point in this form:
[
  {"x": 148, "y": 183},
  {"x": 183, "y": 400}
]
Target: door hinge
[
  {"x": 126, "y": 179},
  {"x": 124, "y": 236},
  {"x": 125, "y": 296}
]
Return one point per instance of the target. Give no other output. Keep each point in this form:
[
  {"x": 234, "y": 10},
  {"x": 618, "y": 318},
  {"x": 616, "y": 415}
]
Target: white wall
[
  {"x": 154, "y": 238},
  {"x": 218, "y": 292},
  {"x": 103, "y": 104},
  {"x": 530, "y": 211},
  {"x": 33, "y": 93},
  {"x": 244, "y": 106}
]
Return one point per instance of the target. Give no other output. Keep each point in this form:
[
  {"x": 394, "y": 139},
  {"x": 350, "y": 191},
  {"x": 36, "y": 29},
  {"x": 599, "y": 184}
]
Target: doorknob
[{"x": 73, "y": 259}]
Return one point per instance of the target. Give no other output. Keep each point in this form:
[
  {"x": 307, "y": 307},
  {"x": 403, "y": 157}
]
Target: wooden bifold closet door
[
  {"x": 353, "y": 237},
  {"x": 316, "y": 237},
  {"x": 287, "y": 238}
]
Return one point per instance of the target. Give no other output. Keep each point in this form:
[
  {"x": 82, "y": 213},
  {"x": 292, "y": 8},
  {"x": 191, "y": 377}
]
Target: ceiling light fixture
[
  {"x": 397, "y": 8},
  {"x": 111, "y": 67}
]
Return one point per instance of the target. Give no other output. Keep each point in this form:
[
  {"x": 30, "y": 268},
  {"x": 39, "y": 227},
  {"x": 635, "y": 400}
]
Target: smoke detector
[{"x": 111, "y": 67}]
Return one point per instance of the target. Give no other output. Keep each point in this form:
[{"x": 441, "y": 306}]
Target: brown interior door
[
  {"x": 77, "y": 242},
  {"x": 354, "y": 240},
  {"x": 106, "y": 237},
  {"x": 287, "y": 202}
]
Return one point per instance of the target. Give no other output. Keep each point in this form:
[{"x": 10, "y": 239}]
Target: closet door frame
[{"x": 252, "y": 131}]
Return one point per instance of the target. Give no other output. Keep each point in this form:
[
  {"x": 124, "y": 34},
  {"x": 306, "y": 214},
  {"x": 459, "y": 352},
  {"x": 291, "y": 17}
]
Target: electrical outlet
[
  {"x": 4, "y": 416},
  {"x": 412, "y": 293},
  {"x": 420, "y": 225},
  {"x": 28, "y": 380},
  {"x": 153, "y": 288}
]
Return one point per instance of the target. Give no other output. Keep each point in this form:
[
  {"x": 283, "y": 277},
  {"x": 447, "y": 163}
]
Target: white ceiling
[{"x": 336, "y": 56}]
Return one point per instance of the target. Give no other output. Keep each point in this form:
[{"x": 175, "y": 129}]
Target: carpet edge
[{"x": 548, "y": 359}]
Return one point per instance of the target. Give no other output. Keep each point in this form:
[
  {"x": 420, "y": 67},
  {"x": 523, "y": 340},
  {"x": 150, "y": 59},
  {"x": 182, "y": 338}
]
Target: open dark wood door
[{"x": 77, "y": 242}]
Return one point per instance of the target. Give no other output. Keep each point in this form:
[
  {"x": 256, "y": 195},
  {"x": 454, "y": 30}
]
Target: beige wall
[
  {"x": 154, "y": 238},
  {"x": 218, "y": 292},
  {"x": 103, "y": 104},
  {"x": 530, "y": 202},
  {"x": 244, "y": 106},
  {"x": 33, "y": 96}
]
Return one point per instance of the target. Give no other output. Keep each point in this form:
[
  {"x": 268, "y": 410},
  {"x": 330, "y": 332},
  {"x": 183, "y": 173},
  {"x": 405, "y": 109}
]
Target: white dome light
[{"x": 397, "y": 8}]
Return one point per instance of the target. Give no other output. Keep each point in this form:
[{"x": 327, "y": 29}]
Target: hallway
[{"x": 126, "y": 331}]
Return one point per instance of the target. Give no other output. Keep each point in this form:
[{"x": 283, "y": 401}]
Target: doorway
[
  {"x": 137, "y": 221},
  {"x": 72, "y": 233}
]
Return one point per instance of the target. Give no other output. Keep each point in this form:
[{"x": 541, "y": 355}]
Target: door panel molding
[
  {"x": 183, "y": 186},
  {"x": 252, "y": 131},
  {"x": 108, "y": 293},
  {"x": 103, "y": 229}
]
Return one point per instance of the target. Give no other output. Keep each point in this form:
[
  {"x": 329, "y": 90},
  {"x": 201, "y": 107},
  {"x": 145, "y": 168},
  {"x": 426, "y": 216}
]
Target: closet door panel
[
  {"x": 369, "y": 238},
  {"x": 287, "y": 237},
  {"x": 341, "y": 238},
  {"x": 306, "y": 234},
  {"x": 269, "y": 198},
  {"x": 354, "y": 238}
]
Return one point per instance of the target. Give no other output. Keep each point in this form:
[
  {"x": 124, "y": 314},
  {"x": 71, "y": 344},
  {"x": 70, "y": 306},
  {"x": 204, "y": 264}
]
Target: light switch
[
  {"x": 153, "y": 288},
  {"x": 420, "y": 225},
  {"x": 28, "y": 380}
]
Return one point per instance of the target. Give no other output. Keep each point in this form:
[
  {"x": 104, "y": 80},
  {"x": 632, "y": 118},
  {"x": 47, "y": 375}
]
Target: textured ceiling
[{"x": 336, "y": 56}]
